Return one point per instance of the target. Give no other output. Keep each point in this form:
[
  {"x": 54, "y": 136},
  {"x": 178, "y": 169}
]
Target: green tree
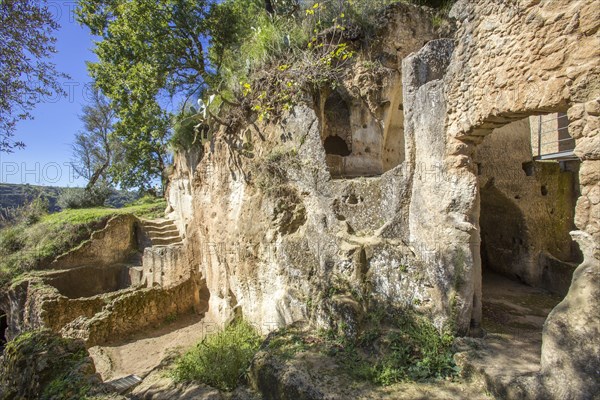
[
  {"x": 149, "y": 51},
  {"x": 145, "y": 155},
  {"x": 26, "y": 75},
  {"x": 95, "y": 148}
]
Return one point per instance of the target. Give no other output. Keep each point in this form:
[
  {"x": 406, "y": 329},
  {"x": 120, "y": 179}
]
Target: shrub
[
  {"x": 220, "y": 359},
  {"x": 417, "y": 351},
  {"x": 74, "y": 198},
  {"x": 11, "y": 240},
  {"x": 184, "y": 134},
  {"x": 35, "y": 210},
  {"x": 411, "y": 349}
]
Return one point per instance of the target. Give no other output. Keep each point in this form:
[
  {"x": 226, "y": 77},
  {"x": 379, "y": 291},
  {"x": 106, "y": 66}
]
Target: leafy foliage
[
  {"x": 95, "y": 147},
  {"x": 26, "y": 75},
  {"x": 62, "y": 372},
  {"x": 391, "y": 347},
  {"x": 84, "y": 198},
  {"x": 220, "y": 359},
  {"x": 411, "y": 348},
  {"x": 148, "y": 50},
  {"x": 259, "y": 57}
]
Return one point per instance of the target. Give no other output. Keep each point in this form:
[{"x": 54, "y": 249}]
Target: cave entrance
[
  {"x": 358, "y": 143},
  {"x": 527, "y": 209},
  {"x": 3, "y": 328},
  {"x": 337, "y": 134}
]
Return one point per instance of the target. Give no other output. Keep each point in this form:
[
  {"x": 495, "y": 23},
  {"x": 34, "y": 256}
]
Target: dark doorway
[
  {"x": 3, "y": 328},
  {"x": 336, "y": 145}
]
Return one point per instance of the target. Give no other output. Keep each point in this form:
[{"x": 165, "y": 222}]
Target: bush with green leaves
[
  {"x": 407, "y": 347},
  {"x": 11, "y": 240},
  {"x": 74, "y": 198},
  {"x": 185, "y": 135},
  {"x": 220, "y": 359}
]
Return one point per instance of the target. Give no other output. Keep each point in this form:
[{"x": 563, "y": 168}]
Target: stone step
[
  {"x": 163, "y": 241},
  {"x": 161, "y": 233},
  {"x": 161, "y": 226},
  {"x": 157, "y": 223}
]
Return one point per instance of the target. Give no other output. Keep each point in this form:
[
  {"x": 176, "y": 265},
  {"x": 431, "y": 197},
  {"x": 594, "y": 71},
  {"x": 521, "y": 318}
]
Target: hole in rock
[
  {"x": 529, "y": 168},
  {"x": 335, "y": 145},
  {"x": 357, "y": 143}
]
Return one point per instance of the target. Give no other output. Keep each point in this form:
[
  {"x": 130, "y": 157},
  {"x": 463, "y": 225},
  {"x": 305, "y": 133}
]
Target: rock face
[
  {"x": 282, "y": 235},
  {"x": 118, "y": 235},
  {"x": 279, "y": 234},
  {"x": 40, "y": 364}
]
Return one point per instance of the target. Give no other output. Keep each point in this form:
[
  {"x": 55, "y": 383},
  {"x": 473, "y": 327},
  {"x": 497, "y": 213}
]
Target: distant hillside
[{"x": 15, "y": 195}]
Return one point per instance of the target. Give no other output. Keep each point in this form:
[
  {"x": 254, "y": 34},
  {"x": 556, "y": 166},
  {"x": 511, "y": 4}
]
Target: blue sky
[{"x": 48, "y": 137}]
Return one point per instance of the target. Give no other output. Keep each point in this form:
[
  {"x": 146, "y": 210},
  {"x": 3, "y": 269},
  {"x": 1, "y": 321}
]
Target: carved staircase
[
  {"x": 162, "y": 232},
  {"x": 163, "y": 259}
]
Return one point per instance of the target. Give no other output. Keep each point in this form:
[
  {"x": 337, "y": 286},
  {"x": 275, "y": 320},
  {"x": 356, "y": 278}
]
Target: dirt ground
[
  {"x": 141, "y": 354},
  {"x": 508, "y": 357}
]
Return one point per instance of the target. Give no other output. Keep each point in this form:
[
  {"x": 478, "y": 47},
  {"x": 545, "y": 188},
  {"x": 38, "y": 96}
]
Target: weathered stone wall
[
  {"x": 514, "y": 59},
  {"x": 88, "y": 281},
  {"x": 113, "y": 244},
  {"x": 132, "y": 312},
  {"x": 36, "y": 304},
  {"x": 277, "y": 239},
  {"x": 165, "y": 266}
]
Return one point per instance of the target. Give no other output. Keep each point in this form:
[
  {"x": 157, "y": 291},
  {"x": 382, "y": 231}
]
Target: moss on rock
[{"x": 43, "y": 365}]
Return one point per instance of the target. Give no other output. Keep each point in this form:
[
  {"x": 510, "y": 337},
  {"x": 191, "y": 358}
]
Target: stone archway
[{"x": 547, "y": 64}]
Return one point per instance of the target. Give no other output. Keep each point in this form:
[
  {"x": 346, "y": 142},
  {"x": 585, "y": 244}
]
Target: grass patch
[
  {"x": 24, "y": 247},
  {"x": 220, "y": 359},
  {"x": 412, "y": 349}
]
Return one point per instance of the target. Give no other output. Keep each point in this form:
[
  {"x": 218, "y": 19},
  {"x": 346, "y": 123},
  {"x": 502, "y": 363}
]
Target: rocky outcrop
[
  {"x": 40, "y": 364},
  {"x": 280, "y": 233}
]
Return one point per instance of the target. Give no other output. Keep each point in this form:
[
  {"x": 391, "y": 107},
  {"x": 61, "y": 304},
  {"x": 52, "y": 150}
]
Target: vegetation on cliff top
[
  {"x": 259, "y": 54},
  {"x": 33, "y": 243}
]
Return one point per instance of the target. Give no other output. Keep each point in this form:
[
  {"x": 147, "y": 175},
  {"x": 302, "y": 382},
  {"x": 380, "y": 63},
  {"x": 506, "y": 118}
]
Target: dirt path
[
  {"x": 508, "y": 358},
  {"x": 142, "y": 353}
]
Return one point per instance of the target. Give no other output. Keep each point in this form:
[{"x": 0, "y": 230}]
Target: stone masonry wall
[{"x": 514, "y": 59}]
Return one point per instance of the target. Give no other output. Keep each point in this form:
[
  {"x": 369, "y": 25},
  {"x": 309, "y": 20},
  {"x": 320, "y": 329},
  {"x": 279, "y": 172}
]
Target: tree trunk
[
  {"x": 96, "y": 175},
  {"x": 269, "y": 7}
]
